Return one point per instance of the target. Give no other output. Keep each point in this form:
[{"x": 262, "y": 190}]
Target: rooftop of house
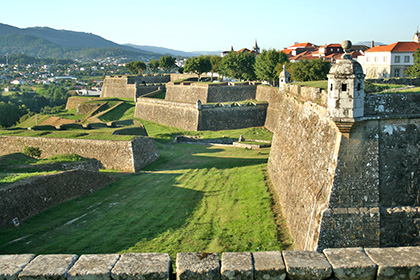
[
  {"x": 396, "y": 47},
  {"x": 303, "y": 45}
]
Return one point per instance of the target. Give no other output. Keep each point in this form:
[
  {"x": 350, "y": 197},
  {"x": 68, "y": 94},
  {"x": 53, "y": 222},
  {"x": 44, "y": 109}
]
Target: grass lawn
[
  {"x": 318, "y": 84},
  {"x": 195, "y": 198}
]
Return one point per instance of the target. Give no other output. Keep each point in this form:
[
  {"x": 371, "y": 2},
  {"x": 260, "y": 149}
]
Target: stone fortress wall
[
  {"x": 349, "y": 263},
  {"x": 344, "y": 183},
  {"x": 121, "y": 155},
  {"x": 26, "y": 198},
  {"x": 186, "y": 107},
  {"x": 131, "y": 86}
]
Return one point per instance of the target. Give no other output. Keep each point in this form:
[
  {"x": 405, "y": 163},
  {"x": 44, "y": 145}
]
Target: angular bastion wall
[
  {"x": 121, "y": 155},
  {"x": 130, "y": 86},
  {"x": 26, "y": 198},
  {"x": 196, "y": 117},
  {"x": 347, "y": 189},
  {"x": 350, "y": 263}
]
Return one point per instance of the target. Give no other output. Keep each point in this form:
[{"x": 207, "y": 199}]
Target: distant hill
[
  {"x": 369, "y": 43},
  {"x": 45, "y": 42},
  {"x": 164, "y": 51}
]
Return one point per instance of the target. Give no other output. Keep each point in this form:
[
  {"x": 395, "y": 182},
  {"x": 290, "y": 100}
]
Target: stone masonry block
[
  {"x": 396, "y": 263},
  {"x": 191, "y": 266},
  {"x": 93, "y": 267},
  {"x": 52, "y": 267},
  {"x": 237, "y": 266},
  {"x": 306, "y": 265},
  {"x": 269, "y": 265},
  {"x": 351, "y": 263},
  {"x": 11, "y": 265},
  {"x": 142, "y": 266}
]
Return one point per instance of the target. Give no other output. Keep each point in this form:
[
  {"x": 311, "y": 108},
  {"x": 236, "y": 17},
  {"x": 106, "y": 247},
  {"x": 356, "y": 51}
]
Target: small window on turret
[
  {"x": 343, "y": 87},
  {"x": 331, "y": 87},
  {"x": 359, "y": 86}
]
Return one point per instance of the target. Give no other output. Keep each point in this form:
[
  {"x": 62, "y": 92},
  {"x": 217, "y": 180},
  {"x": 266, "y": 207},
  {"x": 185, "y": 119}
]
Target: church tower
[
  {"x": 346, "y": 90},
  {"x": 256, "y": 49}
]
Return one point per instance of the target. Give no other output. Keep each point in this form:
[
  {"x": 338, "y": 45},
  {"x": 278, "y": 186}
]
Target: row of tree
[
  {"x": 265, "y": 67},
  {"x": 18, "y": 104},
  {"x": 166, "y": 63}
]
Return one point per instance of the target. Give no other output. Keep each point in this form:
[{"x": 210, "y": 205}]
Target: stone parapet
[
  {"x": 120, "y": 155},
  {"x": 348, "y": 263}
]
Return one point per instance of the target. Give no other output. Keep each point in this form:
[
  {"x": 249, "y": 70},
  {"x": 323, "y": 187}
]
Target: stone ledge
[{"x": 340, "y": 263}]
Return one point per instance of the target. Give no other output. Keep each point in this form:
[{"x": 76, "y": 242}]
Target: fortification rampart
[
  {"x": 130, "y": 86},
  {"x": 351, "y": 263},
  {"x": 74, "y": 101},
  {"x": 27, "y": 198},
  {"x": 201, "y": 117},
  {"x": 177, "y": 114},
  {"x": 209, "y": 93},
  {"x": 121, "y": 155},
  {"x": 232, "y": 116},
  {"x": 347, "y": 189}
]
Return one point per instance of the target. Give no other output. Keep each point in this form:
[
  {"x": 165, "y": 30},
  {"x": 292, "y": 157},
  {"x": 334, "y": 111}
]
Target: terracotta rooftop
[
  {"x": 303, "y": 45},
  {"x": 396, "y": 47}
]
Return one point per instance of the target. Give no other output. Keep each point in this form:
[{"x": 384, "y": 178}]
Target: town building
[
  {"x": 254, "y": 50},
  {"x": 389, "y": 61}
]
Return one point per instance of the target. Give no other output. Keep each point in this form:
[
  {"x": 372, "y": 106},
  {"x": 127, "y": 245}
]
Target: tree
[
  {"x": 154, "y": 65},
  {"x": 268, "y": 63},
  {"x": 167, "y": 62},
  {"x": 414, "y": 71},
  {"x": 238, "y": 66},
  {"x": 136, "y": 67},
  {"x": 9, "y": 114},
  {"x": 198, "y": 65},
  {"x": 215, "y": 64},
  {"x": 309, "y": 70}
]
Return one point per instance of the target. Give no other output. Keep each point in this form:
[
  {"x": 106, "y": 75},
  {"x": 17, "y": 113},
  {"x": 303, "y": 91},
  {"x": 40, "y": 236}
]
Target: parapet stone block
[
  {"x": 12, "y": 265},
  {"x": 306, "y": 265},
  {"x": 51, "y": 267},
  {"x": 269, "y": 265},
  {"x": 351, "y": 263},
  {"x": 93, "y": 267},
  {"x": 193, "y": 266},
  {"x": 135, "y": 266},
  {"x": 396, "y": 263},
  {"x": 237, "y": 266}
]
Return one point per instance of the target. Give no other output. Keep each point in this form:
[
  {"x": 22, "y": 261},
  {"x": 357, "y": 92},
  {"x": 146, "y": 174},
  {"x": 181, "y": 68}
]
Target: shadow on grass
[
  {"x": 194, "y": 156},
  {"x": 137, "y": 207}
]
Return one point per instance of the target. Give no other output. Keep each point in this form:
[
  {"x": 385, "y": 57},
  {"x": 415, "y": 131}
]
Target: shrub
[{"x": 34, "y": 152}]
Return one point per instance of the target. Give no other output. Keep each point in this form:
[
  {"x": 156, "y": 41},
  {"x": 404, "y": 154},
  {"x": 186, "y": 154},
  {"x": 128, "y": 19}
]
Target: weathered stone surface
[
  {"x": 269, "y": 265},
  {"x": 11, "y": 265},
  {"x": 396, "y": 263},
  {"x": 306, "y": 265},
  {"x": 52, "y": 267},
  {"x": 191, "y": 266},
  {"x": 142, "y": 266},
  {"x": 188, "y": 116},
  {"x": 351, "y": 263},
  {"x": 120, "y": 155},
  {"x": 27, "y": 198},
  {"x": 93, "y": 267},
  {"x": 237, "y": 266}
]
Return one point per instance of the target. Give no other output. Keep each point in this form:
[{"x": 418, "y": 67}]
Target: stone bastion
[{"x": 120, "y": 155}]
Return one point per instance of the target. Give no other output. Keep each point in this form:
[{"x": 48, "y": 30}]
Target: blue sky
[{"x": 216, "y": 25}]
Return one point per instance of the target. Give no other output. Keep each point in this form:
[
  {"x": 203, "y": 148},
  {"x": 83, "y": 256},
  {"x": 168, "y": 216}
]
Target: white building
[{"x": 388, "y": 61}]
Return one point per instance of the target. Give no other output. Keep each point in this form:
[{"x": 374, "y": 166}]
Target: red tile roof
[
  {"x": 396, "y": 47},
  {"x": 331, "y": 46},
  {"x": 303, "y": 45}
]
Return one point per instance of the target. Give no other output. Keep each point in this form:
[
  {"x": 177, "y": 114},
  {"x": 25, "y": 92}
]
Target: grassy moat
[{"x": 195, "y": 198}]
